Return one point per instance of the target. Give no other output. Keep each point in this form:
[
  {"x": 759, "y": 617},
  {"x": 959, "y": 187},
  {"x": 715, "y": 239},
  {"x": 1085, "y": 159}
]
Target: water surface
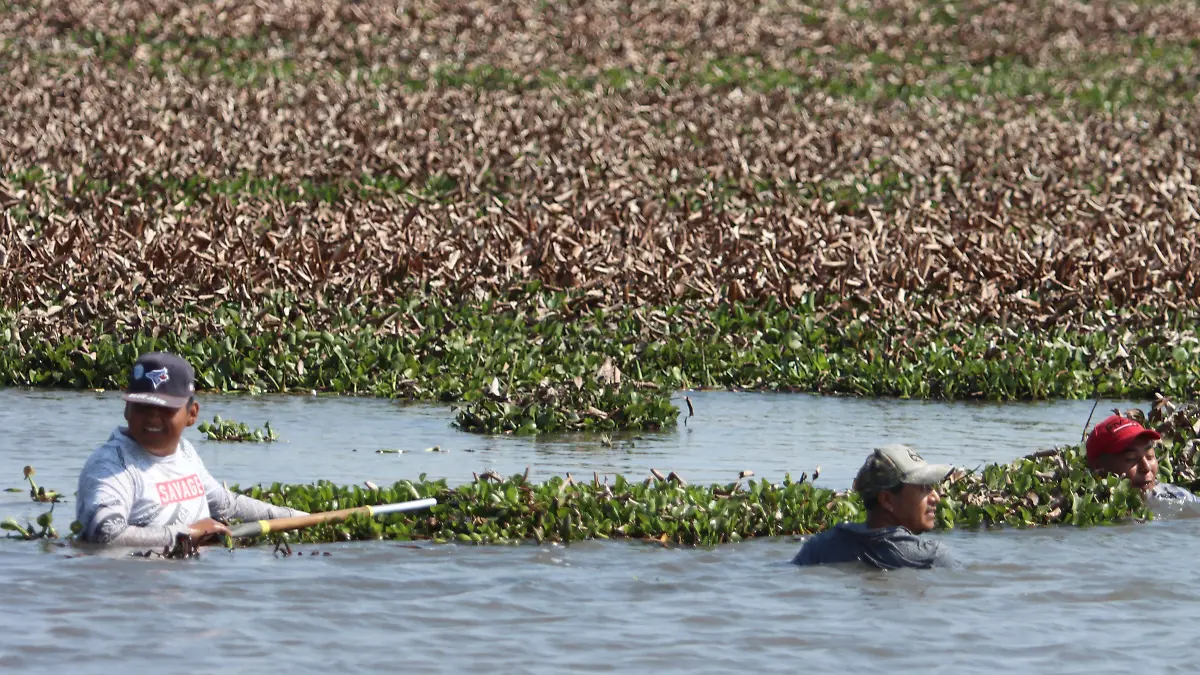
[
  {"x": 1113, "y": 599},
  {"x": 336, "y": 438}
]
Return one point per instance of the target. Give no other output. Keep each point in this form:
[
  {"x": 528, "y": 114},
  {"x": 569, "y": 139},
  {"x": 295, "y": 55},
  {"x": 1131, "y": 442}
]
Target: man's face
[
  {"x": 1137, "y": 462},
  {"x": 914, "y": 507},
  {"x": 158, "y": 429}
]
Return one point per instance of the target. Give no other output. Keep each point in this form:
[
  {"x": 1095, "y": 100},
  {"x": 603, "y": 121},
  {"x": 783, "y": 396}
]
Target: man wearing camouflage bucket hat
[{"x": 898, "y": 490}]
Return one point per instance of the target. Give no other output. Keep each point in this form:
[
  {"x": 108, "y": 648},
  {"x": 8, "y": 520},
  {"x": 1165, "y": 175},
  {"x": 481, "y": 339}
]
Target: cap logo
[
  {"x": 914, "y": 456},
  {"x": 1115, "y": 426},
  {"x": 156, "y": 377}
]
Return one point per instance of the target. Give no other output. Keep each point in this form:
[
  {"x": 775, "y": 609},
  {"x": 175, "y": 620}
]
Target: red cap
[{"x": 1115, "y": 434}]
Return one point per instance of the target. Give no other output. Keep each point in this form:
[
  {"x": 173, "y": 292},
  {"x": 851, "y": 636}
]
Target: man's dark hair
[{"x": 872, "y": 502}]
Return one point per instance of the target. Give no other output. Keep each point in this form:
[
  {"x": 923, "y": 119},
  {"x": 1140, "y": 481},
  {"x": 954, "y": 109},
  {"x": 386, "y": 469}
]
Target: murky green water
[{"x": 1063, "y": 600}]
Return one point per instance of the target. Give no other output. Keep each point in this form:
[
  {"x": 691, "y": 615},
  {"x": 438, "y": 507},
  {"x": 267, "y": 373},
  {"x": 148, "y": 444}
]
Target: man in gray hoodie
[
  {"x": 898, "y": 490},
  {"x": 146, "y": 485}
]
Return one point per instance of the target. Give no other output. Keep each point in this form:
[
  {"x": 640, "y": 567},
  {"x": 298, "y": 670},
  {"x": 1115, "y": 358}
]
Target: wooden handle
[{"x": 261, "y": 527}]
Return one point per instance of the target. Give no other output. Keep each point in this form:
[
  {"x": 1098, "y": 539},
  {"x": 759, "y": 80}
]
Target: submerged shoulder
[
  {"x": 837, "y": 544},
  {"x": 898, "y": 547}
]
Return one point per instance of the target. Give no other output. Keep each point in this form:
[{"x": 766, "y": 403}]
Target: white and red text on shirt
[{"x": 180, "y": 489}]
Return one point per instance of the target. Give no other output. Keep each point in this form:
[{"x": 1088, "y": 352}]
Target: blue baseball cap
[{"x": 161, "y": 379}]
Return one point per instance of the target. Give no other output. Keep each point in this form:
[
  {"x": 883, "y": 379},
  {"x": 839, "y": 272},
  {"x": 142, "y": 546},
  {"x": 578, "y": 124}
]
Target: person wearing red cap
[
  {"x": 146, "y": 486},
  {"x": 1121, "y": 446}
]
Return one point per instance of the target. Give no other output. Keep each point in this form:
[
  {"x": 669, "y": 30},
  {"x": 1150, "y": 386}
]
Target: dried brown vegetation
[
  {"x": 1022, "y": 204},
  {"x": 666, "y": 37}
]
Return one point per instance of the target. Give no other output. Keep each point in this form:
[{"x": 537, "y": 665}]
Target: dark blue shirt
[{"x": 887, "y": 548}]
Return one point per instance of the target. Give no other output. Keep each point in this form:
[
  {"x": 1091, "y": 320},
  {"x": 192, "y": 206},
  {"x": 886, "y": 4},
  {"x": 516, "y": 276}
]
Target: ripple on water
[
  {"x": 1053, "y": 600},
  {"x": 1026, "y": 599}
]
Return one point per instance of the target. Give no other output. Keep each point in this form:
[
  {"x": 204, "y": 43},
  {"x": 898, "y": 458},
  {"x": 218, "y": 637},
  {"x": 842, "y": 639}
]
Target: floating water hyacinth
[
  {"x": 43, "y": 530},
  {"x": 642, "y": 221},
  {"x": 229, "y": 430},
  {"x": 551, "y": 365},
  {"x": 759, "y": 219},
  {"x": 37, "y": 493},
  {"x": 1044, "y": 489},
  {"x": 1047, "y": 488}
]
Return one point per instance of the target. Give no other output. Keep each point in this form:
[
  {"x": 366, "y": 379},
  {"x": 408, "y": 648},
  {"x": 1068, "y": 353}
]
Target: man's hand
[{"x": 207, "y": 530}]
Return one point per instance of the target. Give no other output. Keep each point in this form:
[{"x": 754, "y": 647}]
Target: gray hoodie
[{"x": 129, "y": 497}]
